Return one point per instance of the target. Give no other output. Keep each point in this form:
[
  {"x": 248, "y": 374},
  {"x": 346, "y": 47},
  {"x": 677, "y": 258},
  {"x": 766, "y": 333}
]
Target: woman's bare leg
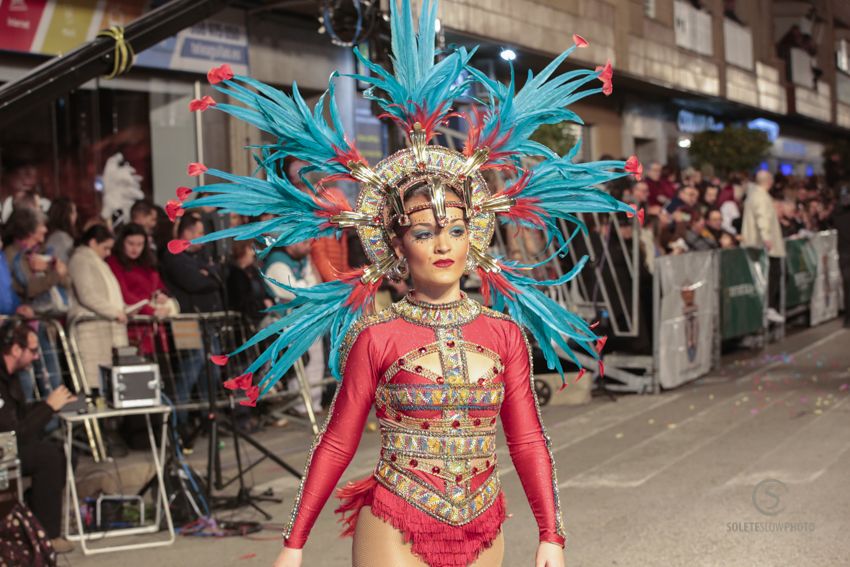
[{"x": 378, "y": 543}]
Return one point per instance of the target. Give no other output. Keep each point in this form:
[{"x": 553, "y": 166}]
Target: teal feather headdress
[{"x": 419, "y": 94}]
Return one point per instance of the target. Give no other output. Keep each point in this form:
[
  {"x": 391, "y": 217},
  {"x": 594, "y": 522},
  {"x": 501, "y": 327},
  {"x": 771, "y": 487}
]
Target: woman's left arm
[{"x": 529, "y": 447}]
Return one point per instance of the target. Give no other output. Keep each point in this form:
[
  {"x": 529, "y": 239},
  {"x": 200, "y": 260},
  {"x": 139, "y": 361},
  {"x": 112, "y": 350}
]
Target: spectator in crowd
[
  {"x": 195, "y": 282},
  {"x": 62, "y": 228},
  {"x": 246, "y": 290},
  {"x": 661, "y": 191},
  {"x": 41, "y": 281},
  {"x": 162, "y": 234},
  {"x": 96, "y": 294},
  {"x": 41, "y": 459},
  {"x": 134, "y": 266},
  {"x": 789, "y": 218},
  {"x": 714, "y": 225},
  {"x": 639, "y": 194},
  {"x": 761, "y": 229},
  {"x": 144, "y": 214},
  {"x": 709, "y": 199},
  {"x": 686, "y": 197},
  {"x": 292, "y": 266},
  {"x": 729, "y": 203},
  {"x": 698, "y": 237},
  {"x": 21, "y": 184}
]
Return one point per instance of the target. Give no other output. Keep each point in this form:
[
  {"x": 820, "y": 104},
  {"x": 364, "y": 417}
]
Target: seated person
[{"x": 40, "y": 458}]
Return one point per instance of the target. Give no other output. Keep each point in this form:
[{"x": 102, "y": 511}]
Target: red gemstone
[
  {"x": 476, "y": 422},
  {"x": 481, "y": 381},
  {"x": 382, "y": 452},
  {"x": 418, "y": 369},
  {"x": 413, "y": 462},
  {"x": 393, "y": 457},
  {"x": 425, "y": 425},
  {"x": 458, "y": 479},
  {"x": 456, "y": 424},
  {"x": 450, "y": 344},
  {"x": 440, "y": 380},
  {"x": 376, "y": 219},
  {"x": 398, "y": 418},
  {"x": 479, "y": 348},
  {"x": 435, "y": 470},
  {"x": 492, "y": 421},
  {"x": 487, "y": 463},
  {"x": 401, "y": 362},
  {"x": 495, "y": 370},
  {"x": 474, "y": 470},
  {"x": 422, "y": 350}
]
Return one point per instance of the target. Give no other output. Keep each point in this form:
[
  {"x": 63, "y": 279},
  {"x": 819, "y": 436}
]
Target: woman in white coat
[{"x": 96, "y": 293}]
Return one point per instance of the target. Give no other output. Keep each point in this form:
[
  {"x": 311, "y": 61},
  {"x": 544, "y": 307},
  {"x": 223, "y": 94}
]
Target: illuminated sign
[
  {"x": 693, "y": 122},
  {"x": 769, "y": 127}
]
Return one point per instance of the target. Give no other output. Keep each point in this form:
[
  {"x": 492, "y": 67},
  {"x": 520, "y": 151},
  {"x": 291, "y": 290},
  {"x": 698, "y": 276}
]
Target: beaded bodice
[{"x": 437, "y": 405}]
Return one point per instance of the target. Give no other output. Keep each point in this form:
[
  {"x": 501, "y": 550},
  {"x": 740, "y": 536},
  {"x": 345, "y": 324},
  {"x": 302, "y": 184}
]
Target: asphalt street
[{"x": 748, "y": 466}]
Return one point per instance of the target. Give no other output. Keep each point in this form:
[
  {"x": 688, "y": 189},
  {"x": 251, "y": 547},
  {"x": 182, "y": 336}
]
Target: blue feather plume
[
  {"x": 418, "y": 89},
  {"x": 300, "y": 132},
  {"x": 313, "y": 312}
]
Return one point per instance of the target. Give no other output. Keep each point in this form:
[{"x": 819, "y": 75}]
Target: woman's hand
[
  {"x": 548, "y": 555},
  {"x": 288, "y": 558}
]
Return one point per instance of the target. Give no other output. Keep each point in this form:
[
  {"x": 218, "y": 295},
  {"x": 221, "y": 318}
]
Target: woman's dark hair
[
  {"x": 22, "y": 223},
  {"x": 146, "y": 258},
  {"x": 239, "y": 249},
  {"x": 99, "y": 233},
  {"x": 59, "y": 217}
]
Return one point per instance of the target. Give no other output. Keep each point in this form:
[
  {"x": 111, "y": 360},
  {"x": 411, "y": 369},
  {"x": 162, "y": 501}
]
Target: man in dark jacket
[
  {"x": 41, "y": 459},
  {"x": 195, "y": 282}
]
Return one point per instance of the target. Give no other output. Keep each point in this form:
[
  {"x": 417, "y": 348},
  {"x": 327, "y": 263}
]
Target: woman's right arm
[{"x": 333, "y": 448}]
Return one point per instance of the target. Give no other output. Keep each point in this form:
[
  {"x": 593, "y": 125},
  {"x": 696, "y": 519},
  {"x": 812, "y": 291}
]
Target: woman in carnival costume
[{"x": 438, "y": 366}]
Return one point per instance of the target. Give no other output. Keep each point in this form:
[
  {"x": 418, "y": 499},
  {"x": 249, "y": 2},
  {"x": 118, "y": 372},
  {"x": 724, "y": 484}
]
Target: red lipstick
[{"x": 444, "y": 263}]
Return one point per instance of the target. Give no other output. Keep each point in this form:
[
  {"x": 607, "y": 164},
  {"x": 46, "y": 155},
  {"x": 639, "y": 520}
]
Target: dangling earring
[
  {"x": 400, "y": 270},
  {"x": 470, "y": 265}
]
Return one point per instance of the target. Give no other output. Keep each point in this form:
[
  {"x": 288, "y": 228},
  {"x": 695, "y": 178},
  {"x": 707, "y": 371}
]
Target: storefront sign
[
  {"x": 769, "y": 127},
  {"x": 692, "y": 122}
]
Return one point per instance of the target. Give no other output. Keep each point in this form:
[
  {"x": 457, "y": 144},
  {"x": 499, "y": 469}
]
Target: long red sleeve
[
  {"x": 527, "y": 441},
  {"x": 334, "y": 448}
]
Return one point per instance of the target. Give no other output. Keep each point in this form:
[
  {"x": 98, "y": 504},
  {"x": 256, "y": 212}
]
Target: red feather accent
[
  {"x": 331, "y": 202},
  {"x": 219, "y": 359},
  {"x": 177, "y": 246},
  {"x": 581, "y": 373},
  {"x": 219, "y": 74},
  {"x": 580, "y": 41},
  {"x": 195, "y": 169},
  {"x": 253, "y": 393},
  {"x": 174, "y": 209},
  {"x": 496, "y": 281},
  {"x": 600, "y": 344},
  {"x": 345, "y": 157},
  {"x": 474, "y": 141},
  {"x": 183, "y": 193},
  {"x": 240, "y": 382},
  {"x": 201, "y": 104},
  {"x": 428, "y": 120},
  {"x": 606, "y": 75},
  {"x": 634, "y": 166}
]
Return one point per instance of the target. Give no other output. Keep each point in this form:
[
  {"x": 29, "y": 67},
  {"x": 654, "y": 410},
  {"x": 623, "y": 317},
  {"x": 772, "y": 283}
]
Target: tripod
[{"x": 243, "y": 496}]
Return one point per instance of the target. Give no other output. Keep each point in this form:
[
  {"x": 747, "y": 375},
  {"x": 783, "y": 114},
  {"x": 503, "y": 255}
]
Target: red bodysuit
[{"x": 436, "y": 479}]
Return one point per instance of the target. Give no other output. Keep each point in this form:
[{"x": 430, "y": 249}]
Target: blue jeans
[{"x": 193, "y": 373}]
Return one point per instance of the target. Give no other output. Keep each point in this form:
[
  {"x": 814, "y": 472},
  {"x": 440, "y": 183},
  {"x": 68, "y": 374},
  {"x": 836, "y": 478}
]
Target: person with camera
[{"x": 41, "y": 459}]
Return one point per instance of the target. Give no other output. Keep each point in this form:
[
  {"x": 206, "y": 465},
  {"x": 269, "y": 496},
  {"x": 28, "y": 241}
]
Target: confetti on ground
[
  {"x": 651, "y": 421},
  {"x": 619, "y": 436},
  {"x": 844, "y": 386},
  {"x": 248, "y": 556},
  {"x": 671, "y": 426},
  {"x": 691, "y": 407},
  {"x": 818, "y": 411},
  {"x": 745, "y": 399},
  {"x": 711, "y": 396},
  {"x": 754, "y": 411},
  {"x": 804, "y": 400}
]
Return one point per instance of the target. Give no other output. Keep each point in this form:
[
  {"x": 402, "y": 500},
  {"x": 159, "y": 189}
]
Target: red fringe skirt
[{"x": 435, "y": 542}]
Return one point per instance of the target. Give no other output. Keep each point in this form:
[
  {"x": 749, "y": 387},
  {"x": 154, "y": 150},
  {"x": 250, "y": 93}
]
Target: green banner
[
  {"x": 801, "y": 266},
  {"x": 742, "y": 291}
]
